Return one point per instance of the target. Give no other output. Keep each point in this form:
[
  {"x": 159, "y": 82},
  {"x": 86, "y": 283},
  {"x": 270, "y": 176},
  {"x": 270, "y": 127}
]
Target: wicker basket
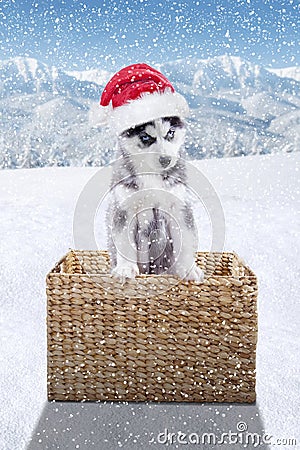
[{"x": 155, "y": 338}]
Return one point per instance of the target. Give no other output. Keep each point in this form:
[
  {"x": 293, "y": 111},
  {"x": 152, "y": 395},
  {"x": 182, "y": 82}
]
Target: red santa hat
[{"x": 139, "y": 94}]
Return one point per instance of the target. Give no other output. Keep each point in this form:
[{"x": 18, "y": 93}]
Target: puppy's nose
[{"x": 165, "y": 160}]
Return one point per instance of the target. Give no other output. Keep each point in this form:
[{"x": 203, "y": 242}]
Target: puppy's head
[{"x": 158, "y": 141}]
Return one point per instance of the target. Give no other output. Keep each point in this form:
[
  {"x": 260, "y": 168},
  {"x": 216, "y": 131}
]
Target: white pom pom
[{"x": 99, "y": 116}]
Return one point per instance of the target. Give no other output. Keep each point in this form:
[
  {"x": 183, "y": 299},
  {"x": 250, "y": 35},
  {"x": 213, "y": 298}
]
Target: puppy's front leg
[
  {"x": 185, "y": 265},
  {"x": 125, "y": 247}
]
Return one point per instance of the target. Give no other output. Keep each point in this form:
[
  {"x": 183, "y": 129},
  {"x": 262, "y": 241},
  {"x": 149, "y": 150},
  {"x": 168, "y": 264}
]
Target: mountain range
[{"x": 237, "y": 108}]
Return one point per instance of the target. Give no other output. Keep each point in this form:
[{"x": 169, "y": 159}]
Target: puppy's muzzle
[{"x": 165, "y": 161}]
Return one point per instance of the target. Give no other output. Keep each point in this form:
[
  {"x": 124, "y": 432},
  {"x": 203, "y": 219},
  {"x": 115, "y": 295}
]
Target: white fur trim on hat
[
  {"x": 99, "y": 115},
  {"x": 147, "y": 108}
]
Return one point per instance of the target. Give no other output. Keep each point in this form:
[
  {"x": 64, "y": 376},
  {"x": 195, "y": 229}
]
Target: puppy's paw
[
  {"x": 196, "y": 274},
  {"x": 125, "y": 270}
]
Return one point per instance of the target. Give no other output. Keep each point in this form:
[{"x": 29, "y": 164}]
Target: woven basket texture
[{"x": 154, "y": 338}]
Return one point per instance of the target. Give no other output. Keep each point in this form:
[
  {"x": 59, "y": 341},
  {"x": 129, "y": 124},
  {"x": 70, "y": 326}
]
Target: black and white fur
[{"x": 150, "y": 223}]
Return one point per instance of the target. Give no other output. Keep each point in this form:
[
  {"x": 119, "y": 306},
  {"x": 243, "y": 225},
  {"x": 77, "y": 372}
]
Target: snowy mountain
[
  {"x": 44, "y": 117},
  {"x": 237, "y": 108},
  {"x": 96, "y": 76},
  {"x": 29, "y": 76},
  {"x": 226, "y": 73},
  {"x": 234, "y": 104},
  {"x": 288, "y": 72}
]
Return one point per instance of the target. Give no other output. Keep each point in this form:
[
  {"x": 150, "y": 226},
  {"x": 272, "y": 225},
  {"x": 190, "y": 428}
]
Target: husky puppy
[{"x": 150, "y": 223}]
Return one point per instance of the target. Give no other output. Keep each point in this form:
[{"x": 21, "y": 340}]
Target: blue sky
[{"x": 74, "y": 34}]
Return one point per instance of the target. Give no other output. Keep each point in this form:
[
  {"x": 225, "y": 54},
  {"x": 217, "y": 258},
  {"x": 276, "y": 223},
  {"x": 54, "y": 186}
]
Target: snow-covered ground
[{"x": 260, "y": 198}]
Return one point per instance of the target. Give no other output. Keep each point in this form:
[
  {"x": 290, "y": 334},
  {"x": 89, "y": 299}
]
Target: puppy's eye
[
  {"x": 146, "y": 139},
  {"x": 170, "y": 134}
]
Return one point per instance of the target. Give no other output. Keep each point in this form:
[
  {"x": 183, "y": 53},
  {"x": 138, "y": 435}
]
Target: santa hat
[{"x": 139, "y": 94}]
